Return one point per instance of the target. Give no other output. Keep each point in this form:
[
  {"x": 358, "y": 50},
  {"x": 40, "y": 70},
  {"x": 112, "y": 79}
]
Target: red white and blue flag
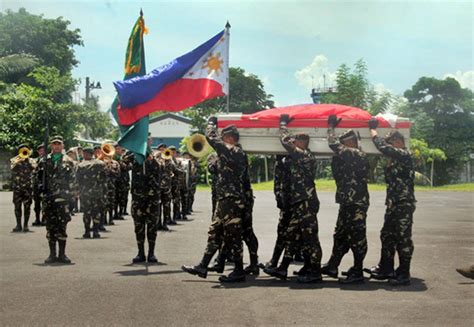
[{"x": 188, "y": 80}]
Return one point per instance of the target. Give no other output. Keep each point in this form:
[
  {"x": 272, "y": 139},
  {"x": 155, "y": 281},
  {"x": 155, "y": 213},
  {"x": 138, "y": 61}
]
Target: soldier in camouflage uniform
[
  {"x": 175, "y": 185},
  {"x": 185, "y": 166},
  {"x": 281, "y": 188},
  {"x": 112, "y": 173},
  {"x": 36, "y": 192},
  {"x": 71, "y": 153},
  {"x": 56, "y": 193},
  {"x": 193, "y": 181},
  {"x": 146, "y": 183},
  {"x": 350, "y": 168},
  {"x": 226, "y": 228},
  {"x": 212, "y": 168},
  {"x": 22, "y": 186},
  {"x": 166, "y": 194},
  {"x": 304, "y": 204},
  {"x": 90, "y": 176},
  {"x": 122, "y": 183},
  {"x": 396, "y": 231}
]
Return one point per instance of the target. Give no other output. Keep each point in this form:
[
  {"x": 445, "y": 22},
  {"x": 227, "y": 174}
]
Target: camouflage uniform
[
  {"x": 146, "y": 183},
  {"x": 400, "y": 201},
  {"x": 350, "y": 168},
  {"x": 304, "y": 204},
  {"x": 281, "y": 186},
  {"x": 37, "y": 197},
  {"x": 22, "y": 186},
  {"x": 212, "y": 168},
  {"x": 193, "y": 181},
  {"x": 184, "y": 187},
  {"x": 176, "y": 189},
  {"x": 123, "y": 186},
  {"x": 166, "y": 194},
  {"x": 226, "y": 227},
  {"x": 56, "y": 195},
  {"x": 90, "y": 177},
  {"x": 112, "y": 173}
]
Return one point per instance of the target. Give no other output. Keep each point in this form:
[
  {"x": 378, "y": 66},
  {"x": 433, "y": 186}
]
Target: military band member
[
  {"x": 350, "y": 168},
  {"x": 122, "y": 183},
  {"x": 193, "y": 181},
  {"x": 226, "y": 228},
  {"x": 36, "y": 192},
  {"x": 73, "y": 203},
  {"x": 22, "y": 167},
  {"x": 304, "y": 204},
  {"x": 166, "y": 190},
  {"x": 396, "y": 233},
  {"x": 112, "y": 173},
  {"x": 90, "y": 177},
  {"x": 175, "y": 185},
  {"x": 185, "y": 165},
  {"x": 212, "y": 168},
  {"x": 146, "y": 182},
  {"x": 56, "y": 193}
]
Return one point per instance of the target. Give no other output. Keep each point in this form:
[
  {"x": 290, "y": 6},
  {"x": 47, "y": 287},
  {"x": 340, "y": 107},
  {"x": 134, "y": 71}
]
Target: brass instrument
[
  {"x": 197, "y": 145},
  {"x": 167, "y": 154},
  {"x": 108, "y": 151},
  {"x": 24, "y": 153}
]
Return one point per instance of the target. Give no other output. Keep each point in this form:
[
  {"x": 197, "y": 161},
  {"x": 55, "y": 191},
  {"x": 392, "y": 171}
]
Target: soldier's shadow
[
  {"x": 145, "y": 271},
  {"x": 56, "y": 264},
  {"x": 90, "y": 239}
]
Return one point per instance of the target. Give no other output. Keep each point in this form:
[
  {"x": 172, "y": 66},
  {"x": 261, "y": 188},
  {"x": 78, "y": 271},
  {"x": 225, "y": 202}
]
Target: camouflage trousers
[
  {"x": 303, "y": 232},
  {"x": 350, "y": 233},
  {"x": 166, "y": 205},
  {"x": 226, "y": 229},
  {"x": 22, "y": 199},
  {"x": 111, "y": 197},
  {"x": 183, "y": 195},
  {"x": 145, "y": 217},
  {"x": 396, "y": 232},
  {"x": 176, "y": 195},
  {"x": 92, "y": 208},
  {"x": 122, "y": 195},
  {"x": 191, "y": 193},
  {"x": 57, "y": 216},
  {"x": 282, "y": 234},
  {"x": 37, "y": 199}
]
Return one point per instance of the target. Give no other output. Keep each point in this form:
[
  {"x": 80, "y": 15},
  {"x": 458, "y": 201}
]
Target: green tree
[
  {"x": 49, "y": 40},
  {"x": 247, "y": 95},
  {"x": 443, "y": 115},
  {"x": 423, "y": 155},
  {"x": 23, "y": 109},
  {"x": 13, "y": 68}
]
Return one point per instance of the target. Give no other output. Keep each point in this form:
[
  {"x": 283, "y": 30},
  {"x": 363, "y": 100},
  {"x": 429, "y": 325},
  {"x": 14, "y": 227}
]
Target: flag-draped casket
[{"x": 259, "y": 132}]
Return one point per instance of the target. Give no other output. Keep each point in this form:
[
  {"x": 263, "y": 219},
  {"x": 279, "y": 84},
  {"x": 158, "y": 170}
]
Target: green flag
[{"x": 134, "y": 138}]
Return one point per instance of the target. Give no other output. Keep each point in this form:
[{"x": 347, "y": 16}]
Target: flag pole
[{"x": 227, "y": 29}]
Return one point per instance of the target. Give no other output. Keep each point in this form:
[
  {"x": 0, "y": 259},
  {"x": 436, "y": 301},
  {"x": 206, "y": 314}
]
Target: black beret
[{"x": 230, "y": 130}]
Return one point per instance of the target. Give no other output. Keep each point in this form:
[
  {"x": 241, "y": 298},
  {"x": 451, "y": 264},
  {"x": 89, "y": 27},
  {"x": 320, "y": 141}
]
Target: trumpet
[
  {"x": 167, "y": 154},
  {"x": 197, "y": 145}
]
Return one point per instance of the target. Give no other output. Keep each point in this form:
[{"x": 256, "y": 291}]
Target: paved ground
[{"x": 102, "y": 288}]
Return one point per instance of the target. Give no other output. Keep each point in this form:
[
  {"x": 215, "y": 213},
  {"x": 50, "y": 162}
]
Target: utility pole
[{"x": 90, "y": 86}]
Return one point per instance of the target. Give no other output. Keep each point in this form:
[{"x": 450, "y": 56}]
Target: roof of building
[{"x": 170, "y": 115}]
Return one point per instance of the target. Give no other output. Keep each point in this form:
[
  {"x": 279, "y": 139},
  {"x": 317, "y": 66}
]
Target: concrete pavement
[{"x": 103, "y": 288}]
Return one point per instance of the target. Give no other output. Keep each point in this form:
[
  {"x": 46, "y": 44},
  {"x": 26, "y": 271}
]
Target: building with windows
[{"x": 169, "y": 128}]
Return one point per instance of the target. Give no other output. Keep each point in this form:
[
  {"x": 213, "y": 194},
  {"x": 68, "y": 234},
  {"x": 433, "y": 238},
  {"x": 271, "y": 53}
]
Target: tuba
[{"x": 197, "y": 145}]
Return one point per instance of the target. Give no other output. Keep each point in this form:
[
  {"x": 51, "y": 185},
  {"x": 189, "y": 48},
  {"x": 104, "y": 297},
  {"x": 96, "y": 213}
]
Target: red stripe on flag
[{"x": 176, "y": 96}]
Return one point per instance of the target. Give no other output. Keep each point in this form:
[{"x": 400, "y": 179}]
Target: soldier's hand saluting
[
  {"x": 333, "y": 121},
  {"x": 212, "y": 120}
]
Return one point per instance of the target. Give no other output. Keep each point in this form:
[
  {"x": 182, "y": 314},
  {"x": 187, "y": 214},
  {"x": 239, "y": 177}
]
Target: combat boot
[
  {"x": 95, "y": 234},
  {"x": 280, "y": 272},
  {"x": 402, "y": 274},
  {"x": 62, "y": 258},
  {"x": 329, "y": 270},
  {"x": 238, "y": 275},
  {"x": 165, "y": 227},
  {"x": 87, "y": 234},
  {"x": 304, "y": 270},
  {"x": 353, "y": 276},
  {"x": 151, "y": 253},
  {"x": 219, "y": 264},
  {"x": 201, "y": 268},
  {"x": 384, "y": 270},
  {"x": 253, "y": 268},
  {"x": 18, "y": 225},
  {"x": 111, "y": 219},
  {"x": 37, "y": 221},
  {"x": 52, "y": 253},
  {"x": 467, "y": 272},
  {"x": 141, "y": 254}
]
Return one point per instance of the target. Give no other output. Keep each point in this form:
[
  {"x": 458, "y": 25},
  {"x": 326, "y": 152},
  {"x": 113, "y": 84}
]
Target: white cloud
[
  {"x": 105, "y": 101},
  {"x": 316, "y": 74},
  {"x": 466, "y": 79}
]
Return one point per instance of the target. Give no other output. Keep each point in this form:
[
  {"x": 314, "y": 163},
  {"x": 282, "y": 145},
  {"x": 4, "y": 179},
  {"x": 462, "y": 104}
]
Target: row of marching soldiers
[
  {"x": 99, "y": 178},
  {"x": 298, "y": 202}
]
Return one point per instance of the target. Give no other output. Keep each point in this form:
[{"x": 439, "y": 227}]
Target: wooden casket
[{"x": 259, "y": 132}]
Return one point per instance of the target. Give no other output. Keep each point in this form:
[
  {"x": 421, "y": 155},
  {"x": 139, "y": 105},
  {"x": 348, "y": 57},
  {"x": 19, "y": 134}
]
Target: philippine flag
[{"x": 194, "y": 77}]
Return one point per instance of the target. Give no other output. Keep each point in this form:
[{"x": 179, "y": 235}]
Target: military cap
[
  {"x": 56, "y": 139},
  {"x": 394, "y": 135},
  {"x": 161, "y": 145},
  {"x": 172, "y": 147},
  {"x": 186, "y": 152},
  {"x": 88, "y": 149},
  {"x": 70, "y": 150},
  {"x": 230, "y": 130},
  {"x": 79, "y": 147},
  {"x": 39, "y": 147},
  {"x": 347, "y": 135},
  {"x": 96, "y": 147},
  {"x": 23, "y": 145},
  {"x": 302, "y": 137}
]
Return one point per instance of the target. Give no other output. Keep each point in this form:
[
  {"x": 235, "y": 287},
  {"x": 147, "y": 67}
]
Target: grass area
[{"x": 329, "y": 185}]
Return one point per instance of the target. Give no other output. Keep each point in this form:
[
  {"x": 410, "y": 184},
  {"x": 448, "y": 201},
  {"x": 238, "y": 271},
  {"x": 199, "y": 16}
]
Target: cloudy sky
[{"x": 290, "y": 45}]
